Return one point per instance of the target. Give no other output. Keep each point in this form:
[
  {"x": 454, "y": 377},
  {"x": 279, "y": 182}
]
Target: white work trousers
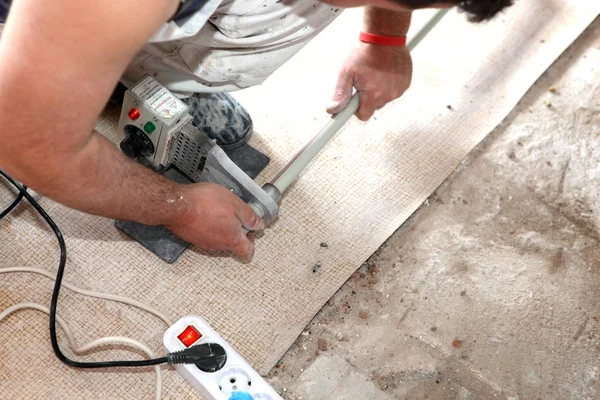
[{"x": 229, "y": 45}]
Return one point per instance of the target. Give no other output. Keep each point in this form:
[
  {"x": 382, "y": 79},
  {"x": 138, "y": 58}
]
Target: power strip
[{"x": 233, "y": 378}]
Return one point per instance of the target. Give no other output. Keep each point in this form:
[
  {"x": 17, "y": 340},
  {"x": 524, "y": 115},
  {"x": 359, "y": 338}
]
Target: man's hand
[
  {"x": 379, "y": 73},
  {"x": 213, "y": 218}
]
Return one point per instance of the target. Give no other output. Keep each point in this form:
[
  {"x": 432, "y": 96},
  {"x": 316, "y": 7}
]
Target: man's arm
[
  {"x": 380, "y": 21},
  {"x": 58, "y": 66},
  {"x": 380, "y": 73}
]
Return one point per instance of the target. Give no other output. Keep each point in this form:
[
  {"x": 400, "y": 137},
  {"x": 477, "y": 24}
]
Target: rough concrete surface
[{"x": 492, "y": 289}]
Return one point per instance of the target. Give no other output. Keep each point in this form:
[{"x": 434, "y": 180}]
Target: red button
[
  {"x": 134, "y": 114},
  {"x": 189, "y": 336}
]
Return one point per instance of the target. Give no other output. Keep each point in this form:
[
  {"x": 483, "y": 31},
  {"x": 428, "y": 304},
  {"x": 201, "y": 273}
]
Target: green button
[{"x": 149, "y": 127}]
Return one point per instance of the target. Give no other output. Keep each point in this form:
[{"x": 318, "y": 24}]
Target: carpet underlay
[{"x": 358, "y": 191}]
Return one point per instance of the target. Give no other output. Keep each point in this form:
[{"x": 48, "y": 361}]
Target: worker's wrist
[
  {"x": 177, "y": 207},
  {"x": 379, "y": 21}
]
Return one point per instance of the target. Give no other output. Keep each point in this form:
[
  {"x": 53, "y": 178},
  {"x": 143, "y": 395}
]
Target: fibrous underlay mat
[{"x": 353, "y": 197}]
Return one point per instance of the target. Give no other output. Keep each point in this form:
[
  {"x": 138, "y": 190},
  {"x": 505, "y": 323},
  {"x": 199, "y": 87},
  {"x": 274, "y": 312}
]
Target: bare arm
[
  {"x": 386, "y": 22},
  {"x": 58, "y": 66}
]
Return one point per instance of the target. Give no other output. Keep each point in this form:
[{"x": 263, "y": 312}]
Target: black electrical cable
[
  {"x": 208, "y": 357},
  {"x": 56, "y": 290},
  {"x": 12, "y": 205}
]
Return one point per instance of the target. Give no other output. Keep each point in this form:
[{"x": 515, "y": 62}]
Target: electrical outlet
[
  {"x": 234, "y": 380},
  {"x": 236, "y": 375}
]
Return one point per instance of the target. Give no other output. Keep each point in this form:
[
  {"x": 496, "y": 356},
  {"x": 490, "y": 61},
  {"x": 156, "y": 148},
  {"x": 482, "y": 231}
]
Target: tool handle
[{"x": 312, "y": 148}]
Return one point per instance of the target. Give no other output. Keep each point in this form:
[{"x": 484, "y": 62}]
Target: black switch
[{"x": 136, "y": 143}]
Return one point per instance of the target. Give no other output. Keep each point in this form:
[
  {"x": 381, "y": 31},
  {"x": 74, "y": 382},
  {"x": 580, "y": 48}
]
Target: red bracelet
[{"x": 384, "y": 40}]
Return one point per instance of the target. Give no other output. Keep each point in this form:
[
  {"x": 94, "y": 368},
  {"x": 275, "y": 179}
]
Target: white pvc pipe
[{"x": 291, "y": 171}]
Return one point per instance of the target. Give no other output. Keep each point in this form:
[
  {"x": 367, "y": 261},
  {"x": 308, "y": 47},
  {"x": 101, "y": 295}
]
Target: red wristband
[{"x": 384, "y": 40}]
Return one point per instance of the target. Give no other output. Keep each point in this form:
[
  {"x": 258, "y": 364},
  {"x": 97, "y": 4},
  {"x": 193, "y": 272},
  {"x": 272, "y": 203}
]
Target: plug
[{"x": 208, "y": 357}]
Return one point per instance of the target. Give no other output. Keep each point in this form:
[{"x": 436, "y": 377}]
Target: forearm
[
  {"x": 59, "y": 65},
  {"x": 98, "y": 179},
  {"x": 386, "y": 22}
]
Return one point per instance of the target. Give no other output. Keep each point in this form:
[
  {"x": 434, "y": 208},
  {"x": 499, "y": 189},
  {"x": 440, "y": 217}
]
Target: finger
[
  {"x": 342, "y": 93},
  {"x": 244, "y": 249},
  {"x": 367, "y": 107},
  {"x": 248, "y": 217}
]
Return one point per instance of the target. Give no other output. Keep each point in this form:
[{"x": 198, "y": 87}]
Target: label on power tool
[{"x": 158, "y": 98}]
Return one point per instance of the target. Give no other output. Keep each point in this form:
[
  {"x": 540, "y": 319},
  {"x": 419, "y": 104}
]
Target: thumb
[
  {"x": 249, "y": 218},
  {"x": 342, "y": 93}
]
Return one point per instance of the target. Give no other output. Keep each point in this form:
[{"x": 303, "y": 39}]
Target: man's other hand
[
  {"x": 214, "y": 218},
  {"x": 379, "y": 73}
]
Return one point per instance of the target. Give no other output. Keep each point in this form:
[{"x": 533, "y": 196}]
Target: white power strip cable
[
  {"x": 79, "y": 350},
  {"x": 102, "y": 341},
  {"x": 98, "y": 295}
]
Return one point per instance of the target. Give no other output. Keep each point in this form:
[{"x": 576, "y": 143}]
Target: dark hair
[{"x": 477, "y": 10}]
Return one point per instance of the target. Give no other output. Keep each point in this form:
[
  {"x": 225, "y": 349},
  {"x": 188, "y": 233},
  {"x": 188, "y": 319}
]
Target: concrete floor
[{"x": 492, "y": 289}]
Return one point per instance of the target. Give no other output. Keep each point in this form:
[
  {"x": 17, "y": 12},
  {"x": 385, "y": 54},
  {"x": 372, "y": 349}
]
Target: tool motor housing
[{"x": 151, "y": 120}]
